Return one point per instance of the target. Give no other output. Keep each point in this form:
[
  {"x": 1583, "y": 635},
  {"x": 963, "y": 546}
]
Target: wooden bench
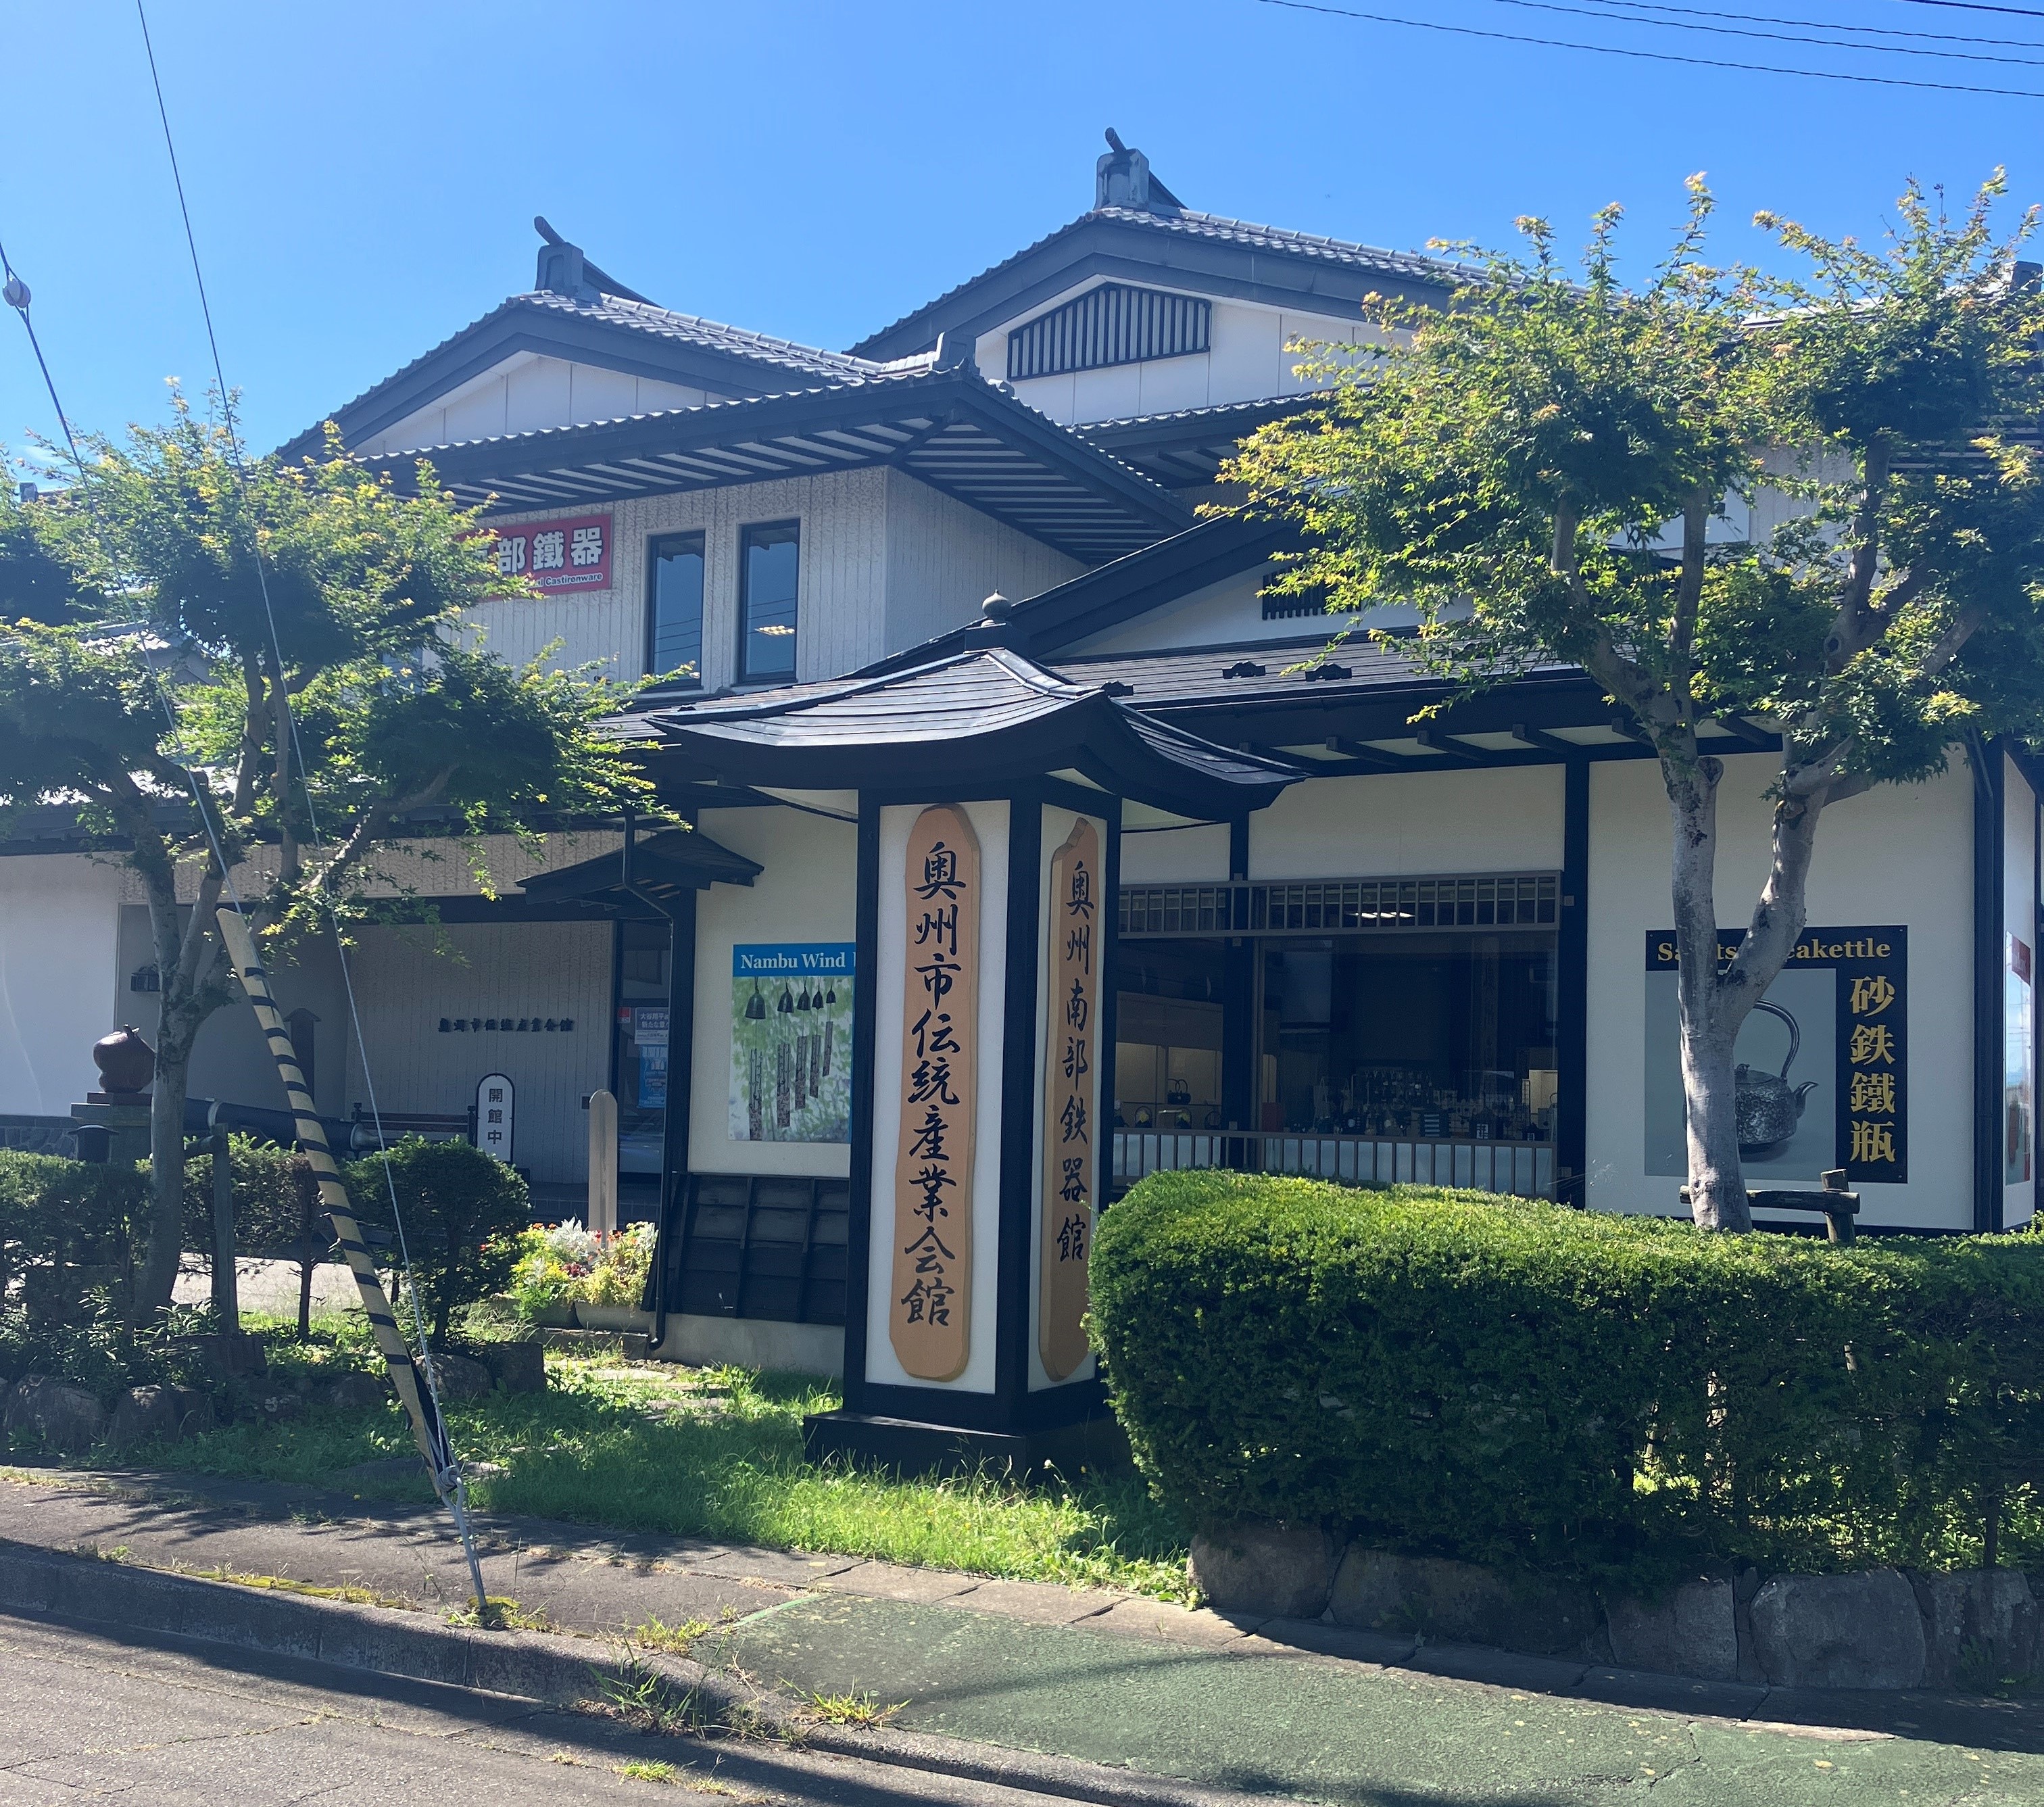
[{"x": 1839, "y": 1206}]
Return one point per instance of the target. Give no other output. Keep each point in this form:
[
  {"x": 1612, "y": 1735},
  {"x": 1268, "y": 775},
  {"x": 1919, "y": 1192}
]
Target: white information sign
[{"x": 496, "y": 1103}]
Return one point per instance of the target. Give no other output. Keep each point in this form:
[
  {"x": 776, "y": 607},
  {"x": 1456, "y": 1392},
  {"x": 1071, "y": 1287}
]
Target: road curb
[{"x": 548, "y": 1669}]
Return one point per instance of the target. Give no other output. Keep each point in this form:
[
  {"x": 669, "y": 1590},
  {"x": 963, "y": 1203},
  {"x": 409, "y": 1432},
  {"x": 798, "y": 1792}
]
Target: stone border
[
  {"x": 547, "y": 1669},
  {"x": 1883, "y": 1629}
]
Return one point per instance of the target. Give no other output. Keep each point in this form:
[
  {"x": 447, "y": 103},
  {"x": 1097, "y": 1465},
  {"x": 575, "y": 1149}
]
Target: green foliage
[
  {"x": 463, "y": 1212},
  {"x": 277, "y": 1212},
  {"x": 1520, "y": 467},
  {"x": 1623, "y": 1397},
  {"x": 69, "y": 1231}
]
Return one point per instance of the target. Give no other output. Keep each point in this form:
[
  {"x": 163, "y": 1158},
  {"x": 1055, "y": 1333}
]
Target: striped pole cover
[{"x": 417, "y": 1399}]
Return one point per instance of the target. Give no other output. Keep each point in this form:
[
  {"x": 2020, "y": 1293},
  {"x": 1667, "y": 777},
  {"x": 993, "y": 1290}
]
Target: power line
[
  {"x": 1824, "y": 25},
  {"x": 1771, "y": 37},
  {"x": 448, "y": 1481},
  {"x": 1979, "y": 6},
  {"x": 1655, "y": 56}
]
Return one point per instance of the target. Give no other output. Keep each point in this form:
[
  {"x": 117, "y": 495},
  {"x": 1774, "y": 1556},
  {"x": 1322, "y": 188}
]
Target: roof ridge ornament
[
  {"x": 1122, "y": 179},
  {"x": 564, "y": 270}
]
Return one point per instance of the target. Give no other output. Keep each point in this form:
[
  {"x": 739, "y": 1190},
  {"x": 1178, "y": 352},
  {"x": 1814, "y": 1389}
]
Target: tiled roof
[
  {"x": 783, "y": 355},
  {"x": 1217, "y": 228}
]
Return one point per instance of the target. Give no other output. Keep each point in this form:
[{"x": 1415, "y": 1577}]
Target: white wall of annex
[
  {"x": 1195, "y": 854},
  {"x": 2018, "y": 918},
  {"x": 808, "y": 892},
  {"x": 1503, "y": 820},
  {"x": 407, "y": 978},
  {"x": 61, "y": 987},
  {"x": 1899, "y": 854},
  {"x": 944, "y": 559},
  {"x": 523, "y": 393},
  {"x": 1229, "y": 613},
  {"x": 840, "y": 621},
  {"x": 1251, "y": 355},
  {"x": 990, "y": 823}
]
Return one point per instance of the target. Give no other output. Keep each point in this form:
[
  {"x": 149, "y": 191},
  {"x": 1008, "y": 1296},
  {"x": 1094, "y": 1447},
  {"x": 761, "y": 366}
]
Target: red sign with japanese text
[{"x": 573, "y": 554}]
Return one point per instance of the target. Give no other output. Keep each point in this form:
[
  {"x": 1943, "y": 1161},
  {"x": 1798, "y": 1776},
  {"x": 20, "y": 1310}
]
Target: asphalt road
[{"x": 83, "y": 1715}]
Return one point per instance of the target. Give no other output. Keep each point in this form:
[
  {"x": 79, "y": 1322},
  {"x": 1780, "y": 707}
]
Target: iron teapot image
[{"x": 1766, "y": 1107}]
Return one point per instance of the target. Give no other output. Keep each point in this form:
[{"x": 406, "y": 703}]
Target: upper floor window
[
  {"x": 768, "y": 558},
  {"x": 675, "y": 608},
  {"x": 1111, "y": 325}
]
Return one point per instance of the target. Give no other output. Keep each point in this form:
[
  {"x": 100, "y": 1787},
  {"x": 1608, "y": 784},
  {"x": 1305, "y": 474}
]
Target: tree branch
[
  {"x": 370, "y": 829},
  {"x": 1688, "y": 598}
]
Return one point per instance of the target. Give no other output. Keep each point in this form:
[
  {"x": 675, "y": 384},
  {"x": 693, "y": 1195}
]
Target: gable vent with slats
[{"x": 1111, "y": 325}]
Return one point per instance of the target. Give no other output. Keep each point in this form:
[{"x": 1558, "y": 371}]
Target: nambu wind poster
[{"x": 791, "y": 1041}]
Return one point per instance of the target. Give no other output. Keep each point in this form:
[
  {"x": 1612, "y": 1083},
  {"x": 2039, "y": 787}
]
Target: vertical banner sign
[
  {"x": 2018, "y": 1032},
  {"x": 496, "y": 1115},
  {"x": 928, "y": 1320},
  {"x": 1070, "y": 1048}
]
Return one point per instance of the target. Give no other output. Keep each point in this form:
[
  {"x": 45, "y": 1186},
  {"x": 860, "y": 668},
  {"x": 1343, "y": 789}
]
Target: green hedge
[
  {"x": 1615, "y": 1397},
  {"x": 277, "y": 1212}
]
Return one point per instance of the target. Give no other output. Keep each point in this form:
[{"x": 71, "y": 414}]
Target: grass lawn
[{"x": 709, "y": 1452}]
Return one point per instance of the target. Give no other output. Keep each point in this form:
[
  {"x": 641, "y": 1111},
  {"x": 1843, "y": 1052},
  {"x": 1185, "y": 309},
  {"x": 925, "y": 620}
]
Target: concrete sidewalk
[{"x": 1274, "y": 1707}]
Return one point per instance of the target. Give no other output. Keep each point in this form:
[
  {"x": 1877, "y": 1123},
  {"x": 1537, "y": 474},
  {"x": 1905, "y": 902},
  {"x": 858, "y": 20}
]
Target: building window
[
  {"x": 1111, "y": 325},
  {"x": 675, "y": 608},
  {"x": 768, "y": 558}
]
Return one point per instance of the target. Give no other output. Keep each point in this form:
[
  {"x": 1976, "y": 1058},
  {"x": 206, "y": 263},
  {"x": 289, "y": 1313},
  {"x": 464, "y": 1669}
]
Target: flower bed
[{"x": 561, "y": 1266}]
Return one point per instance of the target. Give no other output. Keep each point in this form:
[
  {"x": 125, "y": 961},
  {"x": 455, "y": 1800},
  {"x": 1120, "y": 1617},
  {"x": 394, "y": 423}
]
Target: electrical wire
[
  {"x": 1771, "y": 37},
  {"x": 1655, "y": 56},
  {"x": 1626, "y": 6},
  {"x": 1979, "y": 6}
]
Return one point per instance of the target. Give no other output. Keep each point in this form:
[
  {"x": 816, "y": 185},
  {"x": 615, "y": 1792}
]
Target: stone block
[
  {"x": 1840, "y": 1631},
  {"x": 1463, "y": 1602},
  {"x": 68, "y": 1418},
  {"x": 1257, "y": 1566},
  {"x": 145, "y": 1414},
  {"x": 1692, "y": 1631},
  {"x": 357, "y": 1392},
  {"x": 196, "y": 1410},
  {"x": 460, "y": 1376},
  {"x": 1987, "y": 1616},
  {"x": 517, "y": 1367}
]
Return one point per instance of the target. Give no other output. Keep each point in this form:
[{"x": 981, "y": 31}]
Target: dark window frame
[
  {"x": 654, "y": 543},
  {"x": 746, "y": 674}
]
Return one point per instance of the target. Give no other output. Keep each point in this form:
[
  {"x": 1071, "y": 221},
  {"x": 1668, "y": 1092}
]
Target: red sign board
[{"x": 574, "y": 553}]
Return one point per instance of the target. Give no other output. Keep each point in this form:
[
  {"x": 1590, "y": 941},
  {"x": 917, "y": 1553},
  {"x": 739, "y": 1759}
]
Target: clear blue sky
[{"x": 363, "y": 176}]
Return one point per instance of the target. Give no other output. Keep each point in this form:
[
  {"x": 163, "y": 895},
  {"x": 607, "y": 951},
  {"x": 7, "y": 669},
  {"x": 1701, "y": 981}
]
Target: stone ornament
[
  {"x": 928, "y": 1315},
  {"x": 126, "y": 1061},
  {"x": 1071, "y": 1064}
]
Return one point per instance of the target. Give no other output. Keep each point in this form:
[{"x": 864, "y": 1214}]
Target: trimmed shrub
[
  {"x": 463, "y": 1212},
  {"x": 1618, "y": 1397},
  {"x": 277, "y": 1212}
]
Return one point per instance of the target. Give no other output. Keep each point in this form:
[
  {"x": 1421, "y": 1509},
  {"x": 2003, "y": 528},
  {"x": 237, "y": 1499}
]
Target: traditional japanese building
[{"x": 946, "y": 596}]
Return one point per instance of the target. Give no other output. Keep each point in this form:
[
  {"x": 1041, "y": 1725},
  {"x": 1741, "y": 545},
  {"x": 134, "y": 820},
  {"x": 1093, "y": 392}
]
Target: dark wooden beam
[
  {"x": 1363, "y": 756},
  {"x": 1631, "y": 730},
  {"x": 1436, "y": 742},
  {"x": 1741, "y": 729},
  {"x": 1547, "y": 743}
]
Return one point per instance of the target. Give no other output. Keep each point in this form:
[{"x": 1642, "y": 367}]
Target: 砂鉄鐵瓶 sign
[
  {"x": 1071, "y": 1100},
  {"x": 928, "y": 1318}
]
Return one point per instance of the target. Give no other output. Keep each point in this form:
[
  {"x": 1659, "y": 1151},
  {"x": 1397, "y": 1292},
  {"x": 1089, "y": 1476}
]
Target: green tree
[
  {"x": 263, "y": 670},
  {"x": 1535, "y": 469},
  {"x": 462, "y": 1211}
]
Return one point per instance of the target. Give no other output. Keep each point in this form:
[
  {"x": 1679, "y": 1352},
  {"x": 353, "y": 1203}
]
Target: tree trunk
[
  {"x": 306, "y": 1263},
  {"x": 165, "y": 1246},
  {"x": 1717, "y": 1184}
]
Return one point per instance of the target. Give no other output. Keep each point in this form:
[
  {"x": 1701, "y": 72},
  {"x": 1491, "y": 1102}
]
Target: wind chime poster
[{"x": 791, "y": 1042}]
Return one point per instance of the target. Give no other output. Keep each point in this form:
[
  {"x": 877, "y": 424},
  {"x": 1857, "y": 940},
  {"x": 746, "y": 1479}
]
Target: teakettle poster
[{"x": 1823, "y": 1060}]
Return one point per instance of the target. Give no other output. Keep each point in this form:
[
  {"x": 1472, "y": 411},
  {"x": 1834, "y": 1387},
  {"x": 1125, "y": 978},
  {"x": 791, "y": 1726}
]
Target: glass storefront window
[
  {"x": 1449, "y": 1035},
  {"x": 1167, "y": 1036},
  {"x": 641, "y": 1033}
]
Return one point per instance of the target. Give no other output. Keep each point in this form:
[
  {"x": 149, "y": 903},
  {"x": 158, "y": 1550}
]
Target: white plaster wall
[
  {"x": 1058, "y": 823},
  {"x": 1230, "y": 614},
  {"x": 523, "y": 393},
  {"x": 406, "y": 979},
  {"x": 1252, "y": 355},
  {"x": 806, "y": 893},
  {"x": 2018, "y": 917},
  {"x": 989, "y": 822},
  {"x": 1195, "y": 854},
  {"x": 60, "y": 988},
  {"x": 944, "y": 559},
  {"x": 1498, "y": 821},
  {"x": 1899, "y": 854}
]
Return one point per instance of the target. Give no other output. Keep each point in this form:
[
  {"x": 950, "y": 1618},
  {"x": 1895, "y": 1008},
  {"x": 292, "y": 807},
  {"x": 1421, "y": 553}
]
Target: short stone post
[{"x": 226, "y": 1299}]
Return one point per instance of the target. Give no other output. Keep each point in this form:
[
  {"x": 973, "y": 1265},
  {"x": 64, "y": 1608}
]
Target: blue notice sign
[{"x": 791, "y": 1006}]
